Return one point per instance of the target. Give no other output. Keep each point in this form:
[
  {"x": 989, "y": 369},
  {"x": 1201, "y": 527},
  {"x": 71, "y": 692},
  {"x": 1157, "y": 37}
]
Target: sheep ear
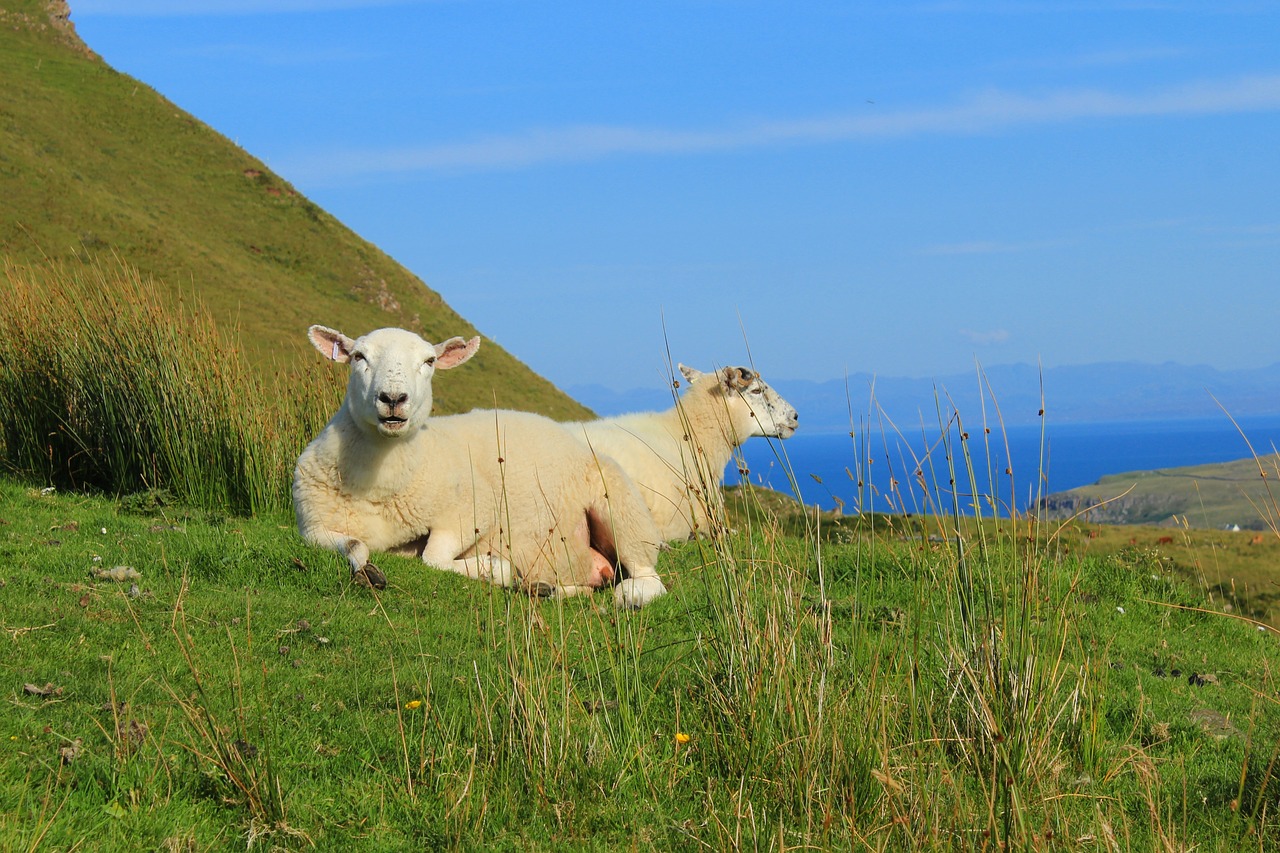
[
  {"x": 736, "y": 378},
  {"x": 455, "y": 351},
  {"x": 331, "y": 343},
  {"x": 691, "y": 375}
]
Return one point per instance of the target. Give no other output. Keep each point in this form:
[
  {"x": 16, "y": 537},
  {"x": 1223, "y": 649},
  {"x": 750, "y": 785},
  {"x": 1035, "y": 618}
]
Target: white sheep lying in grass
[
  {"x": 502, "y": 496},
  {"x": 678, "y": 457}
]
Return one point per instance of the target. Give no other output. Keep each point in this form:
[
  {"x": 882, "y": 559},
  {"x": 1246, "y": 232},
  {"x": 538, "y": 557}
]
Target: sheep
[
  {"x": 678, "y": 457},
  {"x": 502, "y": 496}
]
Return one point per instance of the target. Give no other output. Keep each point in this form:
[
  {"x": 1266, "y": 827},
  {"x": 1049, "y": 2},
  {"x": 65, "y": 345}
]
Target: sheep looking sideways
[
  {"x": 503, "y": 496},
  {"x": 678, "y": 457}
]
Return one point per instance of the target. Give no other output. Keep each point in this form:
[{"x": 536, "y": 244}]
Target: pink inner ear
[{"x": 457, "y": 351}]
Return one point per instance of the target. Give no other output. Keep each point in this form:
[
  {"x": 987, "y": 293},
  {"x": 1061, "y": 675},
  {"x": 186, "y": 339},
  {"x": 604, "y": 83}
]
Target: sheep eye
[
  {"x": 431, "y": 360},
  {"x": 357, "y": 356},
  {"x": 757, "y": 390}
]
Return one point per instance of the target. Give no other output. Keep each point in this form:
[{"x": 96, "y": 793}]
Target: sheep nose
[{"x": 394, "y": 402}]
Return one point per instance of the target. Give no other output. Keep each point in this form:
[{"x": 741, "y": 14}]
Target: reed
[{"x": 106, "y": 385}]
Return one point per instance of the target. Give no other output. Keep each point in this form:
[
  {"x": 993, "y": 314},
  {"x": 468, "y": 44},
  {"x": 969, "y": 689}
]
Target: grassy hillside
[
  {"x": 96, "y": 165},
  {"x": 1219, "y": 495},
  {"x": 1233, "y": 570},
  {"x": 185, "y": 681}
]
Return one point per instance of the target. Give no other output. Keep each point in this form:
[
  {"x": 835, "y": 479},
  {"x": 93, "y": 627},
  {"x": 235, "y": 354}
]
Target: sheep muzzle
[{"x": 392, "y": 411}]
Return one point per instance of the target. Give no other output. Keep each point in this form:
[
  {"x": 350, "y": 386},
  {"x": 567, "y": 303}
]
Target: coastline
[{"x": 829, "y": 465}]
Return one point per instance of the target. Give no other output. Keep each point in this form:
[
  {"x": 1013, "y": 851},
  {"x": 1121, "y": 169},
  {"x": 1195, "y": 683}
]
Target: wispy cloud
[
  {"x": 1058, "y": 7},
  {"x": 988, "y": 338},
  {"x": 989, "y": 112},
  {"x": 270, "y": 54},
  {"x": 989, "y": 247},
  {"x": 193, "y": 8},
  {"x": 198, "y": 8},
  {"x": 1096, "y": 59},
  {"x": 1259, "y": 236}
]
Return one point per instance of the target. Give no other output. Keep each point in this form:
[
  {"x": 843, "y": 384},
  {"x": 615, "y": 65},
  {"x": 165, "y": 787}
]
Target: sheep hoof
[
  {"x": 634, "y": 593},
  {"x": 541, "y": 589},
  {"x": 370, "y": 576}
]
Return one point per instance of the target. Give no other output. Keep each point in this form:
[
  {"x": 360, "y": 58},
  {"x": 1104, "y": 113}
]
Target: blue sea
[{"x": 911, "y": 472}]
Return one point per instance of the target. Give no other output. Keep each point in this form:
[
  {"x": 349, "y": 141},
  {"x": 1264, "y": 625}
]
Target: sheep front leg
[
  {"x": 638, "y": 553},
  {"x": 442, "y": 552},
  {"x": 620, "y": 522},
  {"x": 356, "y": 552}
]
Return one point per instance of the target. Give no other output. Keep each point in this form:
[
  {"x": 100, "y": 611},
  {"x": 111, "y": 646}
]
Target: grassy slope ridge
[
  {"x": 1213, "y": 496},
  {"x": 95, "y": 164}
]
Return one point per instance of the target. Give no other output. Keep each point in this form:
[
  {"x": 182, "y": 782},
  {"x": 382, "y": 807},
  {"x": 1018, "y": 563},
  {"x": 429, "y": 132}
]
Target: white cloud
[
  {"x": 988, "y": 338},
  {"x": 1096, "y": 59},
  {"x": 988, "y": 247},
  {"x": 985, "y": 113},
  {"x": 1057, "y": 7},
  {"x": 1260, "y": 236},
  {"x": 268, "y": 54},
  {"x": 196, "y": 8}
]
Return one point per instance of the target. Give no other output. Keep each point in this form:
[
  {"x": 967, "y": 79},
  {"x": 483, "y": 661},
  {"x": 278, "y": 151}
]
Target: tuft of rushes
[{"x": 105, "y": 388}]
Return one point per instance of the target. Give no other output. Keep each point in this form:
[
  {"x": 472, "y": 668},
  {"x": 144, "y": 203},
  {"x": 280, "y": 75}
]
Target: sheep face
[
  {"x": 389, "y": 388},
  {"x": 770, "y": 415}
]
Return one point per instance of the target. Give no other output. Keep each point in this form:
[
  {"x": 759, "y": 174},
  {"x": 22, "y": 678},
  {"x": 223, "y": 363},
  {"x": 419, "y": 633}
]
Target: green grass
[
  {"x": 97, "y": 168},
  {"x": 245, "y": 691}
]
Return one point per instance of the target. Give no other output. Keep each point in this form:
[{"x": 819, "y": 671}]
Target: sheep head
[
  {"x": 389, "y": 387},
  {"x": 769, "y": 414}
]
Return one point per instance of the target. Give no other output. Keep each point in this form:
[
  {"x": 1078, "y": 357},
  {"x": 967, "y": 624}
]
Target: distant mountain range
[{"x": 1106, "y": 391}]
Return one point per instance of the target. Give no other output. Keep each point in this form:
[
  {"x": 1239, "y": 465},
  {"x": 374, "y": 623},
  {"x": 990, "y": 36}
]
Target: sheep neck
[
  {"x": 716, "y": 422},
  {"x": 371, "y": 462}
]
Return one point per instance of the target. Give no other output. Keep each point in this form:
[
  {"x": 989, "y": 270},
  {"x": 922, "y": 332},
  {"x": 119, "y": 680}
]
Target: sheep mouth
[{"x": 391, "y": 423}]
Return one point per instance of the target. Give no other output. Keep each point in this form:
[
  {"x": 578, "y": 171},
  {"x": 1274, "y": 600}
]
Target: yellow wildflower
[
  {"x": 414, "y": 705},
  {"x": 682, "y": 738}
]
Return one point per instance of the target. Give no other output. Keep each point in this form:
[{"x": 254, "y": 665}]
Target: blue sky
[{"x": 818, "y": 187}]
